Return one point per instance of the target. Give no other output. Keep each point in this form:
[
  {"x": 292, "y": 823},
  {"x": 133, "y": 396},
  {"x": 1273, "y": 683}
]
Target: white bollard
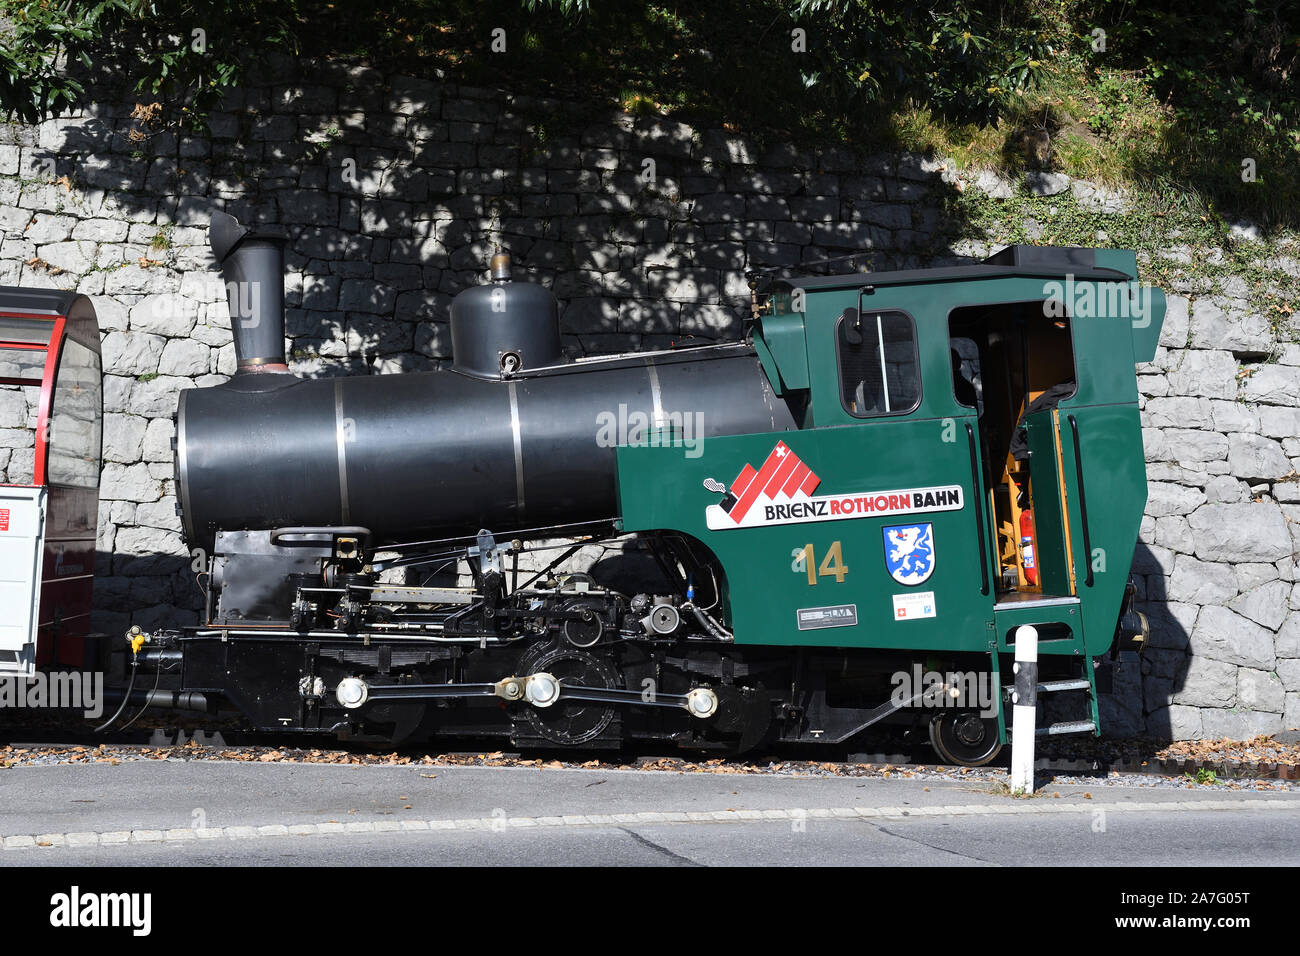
[{"x": 1025, "y": 699}]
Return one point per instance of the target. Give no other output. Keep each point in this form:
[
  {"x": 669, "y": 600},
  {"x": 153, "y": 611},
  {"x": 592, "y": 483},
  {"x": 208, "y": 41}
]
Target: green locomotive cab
[{"x": 968, "y": 459}]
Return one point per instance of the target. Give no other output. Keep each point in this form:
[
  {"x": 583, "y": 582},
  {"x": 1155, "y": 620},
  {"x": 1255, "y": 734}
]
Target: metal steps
[
  {"x": 1067, "y": 727},
  {"x": 1064, "y": 685},
  {"x": 1053, "y": 686}
]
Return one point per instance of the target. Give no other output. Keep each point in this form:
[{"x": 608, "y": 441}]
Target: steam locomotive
[{"x": 837, "y": 522}]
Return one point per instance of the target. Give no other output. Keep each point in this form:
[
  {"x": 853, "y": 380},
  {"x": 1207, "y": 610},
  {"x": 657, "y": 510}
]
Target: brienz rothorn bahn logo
[
  {"x": 783, "y": 475},
  {"x": 780, "y": 491}
]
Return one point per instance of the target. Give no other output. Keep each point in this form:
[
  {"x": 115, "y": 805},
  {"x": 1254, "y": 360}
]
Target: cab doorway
[{"x": 1014, "y": 363}]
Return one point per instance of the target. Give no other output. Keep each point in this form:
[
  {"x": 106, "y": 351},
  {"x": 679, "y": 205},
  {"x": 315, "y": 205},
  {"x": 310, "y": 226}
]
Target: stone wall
[
  {"x": 395, "y": 191},
  {"x": 1222, "y": 525}
]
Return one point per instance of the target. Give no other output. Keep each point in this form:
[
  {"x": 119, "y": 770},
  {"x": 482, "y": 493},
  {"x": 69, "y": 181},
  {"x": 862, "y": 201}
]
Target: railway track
[{"x": 59, "y": 745}]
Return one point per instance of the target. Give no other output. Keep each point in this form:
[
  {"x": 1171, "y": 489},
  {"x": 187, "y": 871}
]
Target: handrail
[
  {"x": 979, "y": 509},
  {"x": 278, "y": 535},
  {"x": 1083, "y": 500}
]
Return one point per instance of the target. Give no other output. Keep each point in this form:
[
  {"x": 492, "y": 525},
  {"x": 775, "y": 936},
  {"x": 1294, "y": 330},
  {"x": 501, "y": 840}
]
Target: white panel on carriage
[{"x": 22, "y": 542}]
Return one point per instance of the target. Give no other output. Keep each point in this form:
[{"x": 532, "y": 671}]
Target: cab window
[
  {"x": 879, "y": 366},
  {"x": 75, "y": 422}
]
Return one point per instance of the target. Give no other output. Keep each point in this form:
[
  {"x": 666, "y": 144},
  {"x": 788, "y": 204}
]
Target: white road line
[{"x": 186, "y": 835}]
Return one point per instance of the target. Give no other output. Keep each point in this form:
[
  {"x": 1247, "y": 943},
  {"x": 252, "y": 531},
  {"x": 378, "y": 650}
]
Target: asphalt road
[{"x": 154, "y": 813}]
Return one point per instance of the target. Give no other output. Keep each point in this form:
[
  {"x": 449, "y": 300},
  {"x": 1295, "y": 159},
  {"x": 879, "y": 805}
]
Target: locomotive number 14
[{"x": 832, "y": 563}]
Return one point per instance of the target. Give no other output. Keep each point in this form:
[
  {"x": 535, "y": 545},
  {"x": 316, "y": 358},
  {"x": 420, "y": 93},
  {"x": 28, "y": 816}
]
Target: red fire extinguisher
[{"x": 1027, "y": 546}]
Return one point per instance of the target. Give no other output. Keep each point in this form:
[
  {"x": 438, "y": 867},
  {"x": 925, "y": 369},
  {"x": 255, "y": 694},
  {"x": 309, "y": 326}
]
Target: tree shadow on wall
[{"x": 394, "y": 192}]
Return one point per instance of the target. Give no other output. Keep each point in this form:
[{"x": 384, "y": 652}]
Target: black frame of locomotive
[{"x": 546, "y": 624}]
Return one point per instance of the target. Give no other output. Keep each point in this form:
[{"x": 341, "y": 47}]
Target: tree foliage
[
  {"x": 728, "y": 56},
  {"x": 186, "y": 52},
  {"x": 959, "y": 58},
  {"x": 1218, "y": 83}
]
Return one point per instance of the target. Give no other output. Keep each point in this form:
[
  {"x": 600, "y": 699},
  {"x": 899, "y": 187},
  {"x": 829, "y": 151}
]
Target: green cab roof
[{"x": 1102, "y": 265}]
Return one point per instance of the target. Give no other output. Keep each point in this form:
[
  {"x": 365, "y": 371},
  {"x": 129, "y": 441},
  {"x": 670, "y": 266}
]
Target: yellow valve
[{"x": 137, "y": 639}]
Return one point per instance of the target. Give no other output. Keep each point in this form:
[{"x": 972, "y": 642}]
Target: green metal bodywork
[{"x": 767, "y": 584}]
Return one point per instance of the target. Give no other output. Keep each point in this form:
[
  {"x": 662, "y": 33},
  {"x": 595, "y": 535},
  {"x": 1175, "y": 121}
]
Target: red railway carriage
[{"x": 51, "y": 425}]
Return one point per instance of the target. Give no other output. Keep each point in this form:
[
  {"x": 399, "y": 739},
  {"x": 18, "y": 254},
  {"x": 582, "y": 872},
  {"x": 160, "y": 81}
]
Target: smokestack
[{"x": 252, "y": 266}]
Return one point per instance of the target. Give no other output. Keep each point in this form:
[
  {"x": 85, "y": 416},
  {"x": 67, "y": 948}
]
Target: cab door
[{"x": 1103, "y": 486}]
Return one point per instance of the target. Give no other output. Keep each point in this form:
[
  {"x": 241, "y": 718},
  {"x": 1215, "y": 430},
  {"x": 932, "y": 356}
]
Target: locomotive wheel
[
  {"x": 571, "y": 722},
  {"x": 964, "y": 737}
]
